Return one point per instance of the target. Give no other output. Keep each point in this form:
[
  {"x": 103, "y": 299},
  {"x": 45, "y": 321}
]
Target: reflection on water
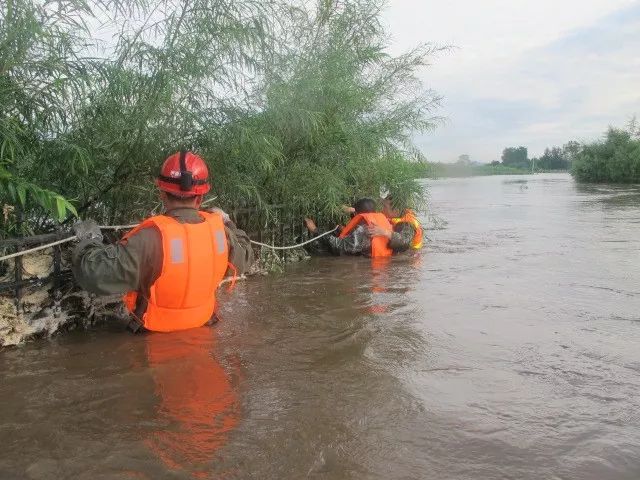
[
  {"x": 198, "y": 406},
  {"x": 508, "y": 349},
  {"x": 117, "y": 406}
]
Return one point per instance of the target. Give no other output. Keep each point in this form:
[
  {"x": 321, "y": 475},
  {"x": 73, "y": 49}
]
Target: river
[{"x": 509, "y": 349}]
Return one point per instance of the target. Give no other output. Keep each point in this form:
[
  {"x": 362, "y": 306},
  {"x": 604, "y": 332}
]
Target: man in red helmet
[{"x": 170, "y": 266}]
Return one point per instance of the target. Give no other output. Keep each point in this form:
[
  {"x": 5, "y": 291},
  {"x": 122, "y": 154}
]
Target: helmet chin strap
[{"x": 186, "y": 177}]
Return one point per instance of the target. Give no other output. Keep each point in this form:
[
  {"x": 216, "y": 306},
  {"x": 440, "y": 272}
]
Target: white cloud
[{"x": 533, "y": 73}]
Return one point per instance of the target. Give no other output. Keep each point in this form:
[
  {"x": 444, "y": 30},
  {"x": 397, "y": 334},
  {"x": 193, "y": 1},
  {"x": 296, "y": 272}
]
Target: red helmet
[{"x": 184, "y": 174}]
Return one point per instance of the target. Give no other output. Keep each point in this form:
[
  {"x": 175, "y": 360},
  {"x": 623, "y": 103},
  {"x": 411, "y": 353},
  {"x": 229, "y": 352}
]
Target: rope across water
[
  {"x": 126, "y": 227},
  {"x": 298, "y": 245}
]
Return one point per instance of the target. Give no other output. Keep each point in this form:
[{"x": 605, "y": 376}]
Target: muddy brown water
[{"x": 510, "y": 349}]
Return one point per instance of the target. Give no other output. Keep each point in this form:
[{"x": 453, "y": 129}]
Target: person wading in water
[
  {"x": 354, "y": 238},
  {"x": 170, "y": 266},
  {"x": 407, "y": 231}
]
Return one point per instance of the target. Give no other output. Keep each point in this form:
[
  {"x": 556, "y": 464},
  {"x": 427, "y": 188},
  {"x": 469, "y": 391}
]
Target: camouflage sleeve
[
  {"x": 401, "y": 237},
  {"x": 240, "y": 249},
  {"x": 353, "y": 244},
  {"x": 128, "y": 265},
  {"x": 334, "y": 244}
]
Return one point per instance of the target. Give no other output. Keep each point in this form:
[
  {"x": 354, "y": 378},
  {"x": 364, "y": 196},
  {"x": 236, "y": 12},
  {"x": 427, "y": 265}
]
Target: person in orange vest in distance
[
  {"x": 354, "y": 238},
  {"x": 407, "y": 231},
  {"x": 170, "y": 266}
]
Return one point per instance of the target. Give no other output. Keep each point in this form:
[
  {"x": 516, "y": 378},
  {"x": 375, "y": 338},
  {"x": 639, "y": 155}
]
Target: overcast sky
[{"x": 524, "y": 72}]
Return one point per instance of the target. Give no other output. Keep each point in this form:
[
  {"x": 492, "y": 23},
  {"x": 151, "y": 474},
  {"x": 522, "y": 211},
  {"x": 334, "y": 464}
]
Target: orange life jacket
[
  {"x": 379, "y": 244},
  {"x": 195, "y": 258},
  {"x": 410, "y": 218}
]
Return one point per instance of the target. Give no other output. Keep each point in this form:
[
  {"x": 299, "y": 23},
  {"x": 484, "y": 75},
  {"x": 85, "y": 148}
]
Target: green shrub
[{"x": 616, "y": 159}]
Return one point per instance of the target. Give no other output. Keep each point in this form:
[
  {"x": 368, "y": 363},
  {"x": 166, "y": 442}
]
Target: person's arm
[
  {"x": 238, "y": 243},
  {"x": 353, "y": 244},
  {"x": 399, "y": 239},
  {"x": 133, "y": 264},
  {"x": 240, "y": 250},
  {"x": 321, "y": 244},
  {"x": 402, "y": 237}
]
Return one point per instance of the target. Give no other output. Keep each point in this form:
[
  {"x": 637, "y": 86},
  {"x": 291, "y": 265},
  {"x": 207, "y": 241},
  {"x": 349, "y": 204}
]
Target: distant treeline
[
  {"x": 612, "y": 159},
  {"x": 553, "y": 159},
  {"x": 444, "y": 170},
  {"x": 515, "y": 161}
]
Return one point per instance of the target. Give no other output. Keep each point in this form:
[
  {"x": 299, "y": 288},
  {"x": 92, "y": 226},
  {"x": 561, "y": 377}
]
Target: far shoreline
[{"x": 495, "y": 174}]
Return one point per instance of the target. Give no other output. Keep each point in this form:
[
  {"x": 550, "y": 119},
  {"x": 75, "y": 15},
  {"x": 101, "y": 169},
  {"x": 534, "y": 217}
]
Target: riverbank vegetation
[
  {"x": 614, "y": 159},
  {"x": 296, "y": 107}
]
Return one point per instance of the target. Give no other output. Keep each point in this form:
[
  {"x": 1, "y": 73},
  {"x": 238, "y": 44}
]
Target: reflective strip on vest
[
  {"x": 221, "y": 241},
  {"x": 195, "y": 257},
  {"x": 177, "y": 250}
]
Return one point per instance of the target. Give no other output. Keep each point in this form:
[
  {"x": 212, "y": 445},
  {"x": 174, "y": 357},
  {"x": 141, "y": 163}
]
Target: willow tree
[
  {"x": 40, "y": 70},
  {"x": 333, "y": 117},
  {"x": 171, "y": 74},
  {"x": 291, "y": 105}
]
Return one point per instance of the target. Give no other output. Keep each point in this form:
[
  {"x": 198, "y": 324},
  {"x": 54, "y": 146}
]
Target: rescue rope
[
  {"x": 33, "y": 250},
  {"x": 60, "y": 242},
  {"x": 295, "y": 246},
  {"x": 126, "y": 227}
]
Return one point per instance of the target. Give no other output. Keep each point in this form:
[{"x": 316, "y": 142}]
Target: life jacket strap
[
  {"x": 135, "y": 326},
  {"x": 215, "y": 318},
  {"x": 233, "y": 268}
]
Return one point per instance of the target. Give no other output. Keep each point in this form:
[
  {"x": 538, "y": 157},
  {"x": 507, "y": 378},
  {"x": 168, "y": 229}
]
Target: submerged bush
[
  {"x": 615, "y": 159},
  {"x": 291, "y": 105}
]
